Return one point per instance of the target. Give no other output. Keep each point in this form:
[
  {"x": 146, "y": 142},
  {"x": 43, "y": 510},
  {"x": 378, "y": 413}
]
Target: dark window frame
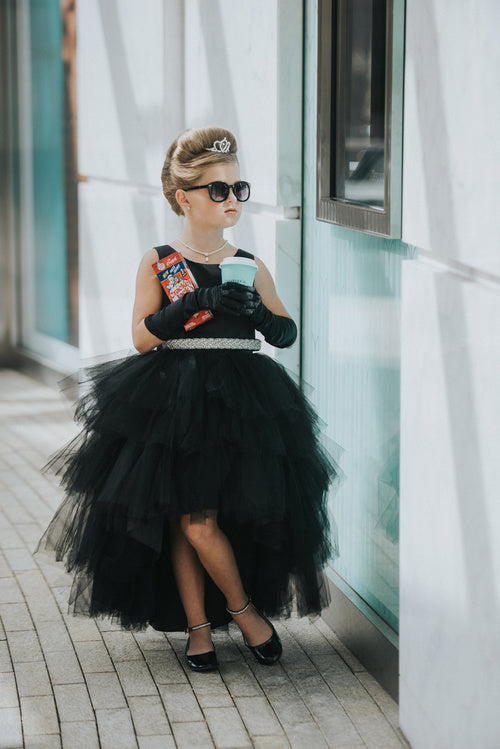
[{"x": 332, "y": 50}]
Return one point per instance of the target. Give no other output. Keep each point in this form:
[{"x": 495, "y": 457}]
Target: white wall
[
  {"x": 450, "y": 399},
  {"x": 146, "y": 71},
  {"x": 452, "y": 143},
  {"x": 130, "y": 107}
]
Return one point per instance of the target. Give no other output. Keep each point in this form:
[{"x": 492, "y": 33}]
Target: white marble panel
[
  {"x": 121, "y": 89},
  {"x": 451, "y": 143},
  {"x": 450, "y": 514},
  {"x": 256, "y": 233},
  {"x": 231, "y": 64},
  {"x": 118, "y": 224},
  {"x": 290, "y": 102}
]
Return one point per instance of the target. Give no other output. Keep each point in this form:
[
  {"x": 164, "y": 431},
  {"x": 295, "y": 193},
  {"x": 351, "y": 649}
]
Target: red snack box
[{"x": 177, "y": 280}]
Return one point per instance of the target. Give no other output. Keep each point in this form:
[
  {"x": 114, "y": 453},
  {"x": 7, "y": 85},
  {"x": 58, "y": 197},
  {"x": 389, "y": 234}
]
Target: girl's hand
[
  {"x": 278, "y": 330},
  {"x": 251, "y": 300},
  {"x": 229, "y": 298}
]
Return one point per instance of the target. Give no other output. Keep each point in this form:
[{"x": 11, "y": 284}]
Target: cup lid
[{"x": 238, "y": 261}]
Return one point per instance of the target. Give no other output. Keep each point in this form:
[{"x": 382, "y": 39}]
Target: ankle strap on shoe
[
  {"x": 241, "y": 611},
  {"x": 199, "y": 626}
]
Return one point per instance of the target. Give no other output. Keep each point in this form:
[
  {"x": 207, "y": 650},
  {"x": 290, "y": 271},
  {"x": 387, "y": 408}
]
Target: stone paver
[
  {"x": 105, "y": 691},
  {"x": 258, "y": 716},
  {"x": 187, "y": 735},
  {"x": 180, "y": 703},
  {"x": 73, "y": 702},
  {"x": 93, "y": 656},
  {"x": 8, "y": 691},
  {"x": 71, "y": 683},
  {"x": 16, "y": 617},
  {"x": 63, "y": 667},
  {"x": 227, "y": 728},
  {"x": 32, "y": 679},
  {"x": 39, "y": 716},
  {"x": 79, "y": 735},
  {"x": 148, "y": 716},
  {"x": 115, "y": 729},
  {"x": 11, "y": 736},
  {"x": 156, "y": 742}
]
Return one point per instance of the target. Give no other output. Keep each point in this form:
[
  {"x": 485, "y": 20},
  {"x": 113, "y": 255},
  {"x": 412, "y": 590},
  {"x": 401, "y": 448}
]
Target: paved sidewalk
[{"x": 80, "y": 684}]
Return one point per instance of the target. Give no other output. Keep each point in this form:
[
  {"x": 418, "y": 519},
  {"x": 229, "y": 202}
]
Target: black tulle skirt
[{"x": 175, "y": 432}]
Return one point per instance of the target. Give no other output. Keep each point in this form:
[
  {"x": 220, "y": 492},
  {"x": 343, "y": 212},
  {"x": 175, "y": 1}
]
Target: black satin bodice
[{"x": 221, "y": 325}]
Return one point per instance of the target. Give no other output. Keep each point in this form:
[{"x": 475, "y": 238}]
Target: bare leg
[
  {"x": 217, "y": 557},
  {"x": 189, "y": 576}
]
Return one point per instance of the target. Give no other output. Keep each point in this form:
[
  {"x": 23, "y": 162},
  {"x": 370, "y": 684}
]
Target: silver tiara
[{"x": 220, "y": 146}]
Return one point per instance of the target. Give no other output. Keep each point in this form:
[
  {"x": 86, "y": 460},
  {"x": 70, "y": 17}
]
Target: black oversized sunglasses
[{"x": 219, "y": 191}]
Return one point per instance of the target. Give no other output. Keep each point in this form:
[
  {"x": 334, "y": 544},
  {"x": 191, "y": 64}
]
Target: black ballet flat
[
  {"x": 269, "y": 652},
  {"x": 201, "y": 661}
]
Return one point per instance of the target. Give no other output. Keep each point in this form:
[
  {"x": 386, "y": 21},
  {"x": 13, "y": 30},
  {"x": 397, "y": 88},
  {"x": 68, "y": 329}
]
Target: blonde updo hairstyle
[{"x": 188, "y": 158}]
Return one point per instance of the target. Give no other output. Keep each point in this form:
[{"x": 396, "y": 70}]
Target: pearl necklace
[{"x": 200, "y": 252}]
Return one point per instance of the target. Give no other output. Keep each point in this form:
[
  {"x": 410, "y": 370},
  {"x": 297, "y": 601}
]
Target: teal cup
[{"x": 238, "y": 269}]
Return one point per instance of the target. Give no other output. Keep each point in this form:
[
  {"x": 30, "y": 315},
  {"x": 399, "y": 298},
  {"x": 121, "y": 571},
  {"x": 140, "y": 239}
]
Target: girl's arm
[
  {"x": 267, "y": 311},
  {"x": 265, "y": 286},
  {"x": 147, "y": 300}
]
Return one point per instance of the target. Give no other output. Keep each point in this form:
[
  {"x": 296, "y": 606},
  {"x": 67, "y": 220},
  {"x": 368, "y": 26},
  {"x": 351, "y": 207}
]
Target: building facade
[{"x": 399, "y": 348}]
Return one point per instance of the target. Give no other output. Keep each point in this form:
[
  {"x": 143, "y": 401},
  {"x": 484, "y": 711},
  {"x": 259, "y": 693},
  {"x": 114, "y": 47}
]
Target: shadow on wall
[
  {"x": 222, "y": 92},
  {"x": 132, "y": 137},
  {"x": 462, "y": 413},
  {"x": 461, "y": 642}
]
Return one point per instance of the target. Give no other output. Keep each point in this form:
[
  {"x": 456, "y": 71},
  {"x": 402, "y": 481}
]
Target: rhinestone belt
[{"x": 251, "y": 344}]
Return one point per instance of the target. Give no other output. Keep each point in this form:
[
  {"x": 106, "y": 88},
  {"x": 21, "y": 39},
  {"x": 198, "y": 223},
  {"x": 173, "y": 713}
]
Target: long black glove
[
  {"x": 278, "y": 330},
  {"x": 225, "y": 298}
]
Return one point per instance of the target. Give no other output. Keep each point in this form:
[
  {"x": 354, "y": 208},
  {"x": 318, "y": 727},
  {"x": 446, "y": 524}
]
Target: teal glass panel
[
  {"x": 351, "y": 363},
  {"x": 47, "y": 102},
  {"x": 351, "y": 358}
]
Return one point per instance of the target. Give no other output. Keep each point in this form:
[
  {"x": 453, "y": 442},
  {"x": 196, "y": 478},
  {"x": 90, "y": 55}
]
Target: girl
[{"x": 196, "y": 492}]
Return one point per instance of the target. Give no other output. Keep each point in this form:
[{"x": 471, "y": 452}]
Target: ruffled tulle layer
[{"x": 182, "y": 432}]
